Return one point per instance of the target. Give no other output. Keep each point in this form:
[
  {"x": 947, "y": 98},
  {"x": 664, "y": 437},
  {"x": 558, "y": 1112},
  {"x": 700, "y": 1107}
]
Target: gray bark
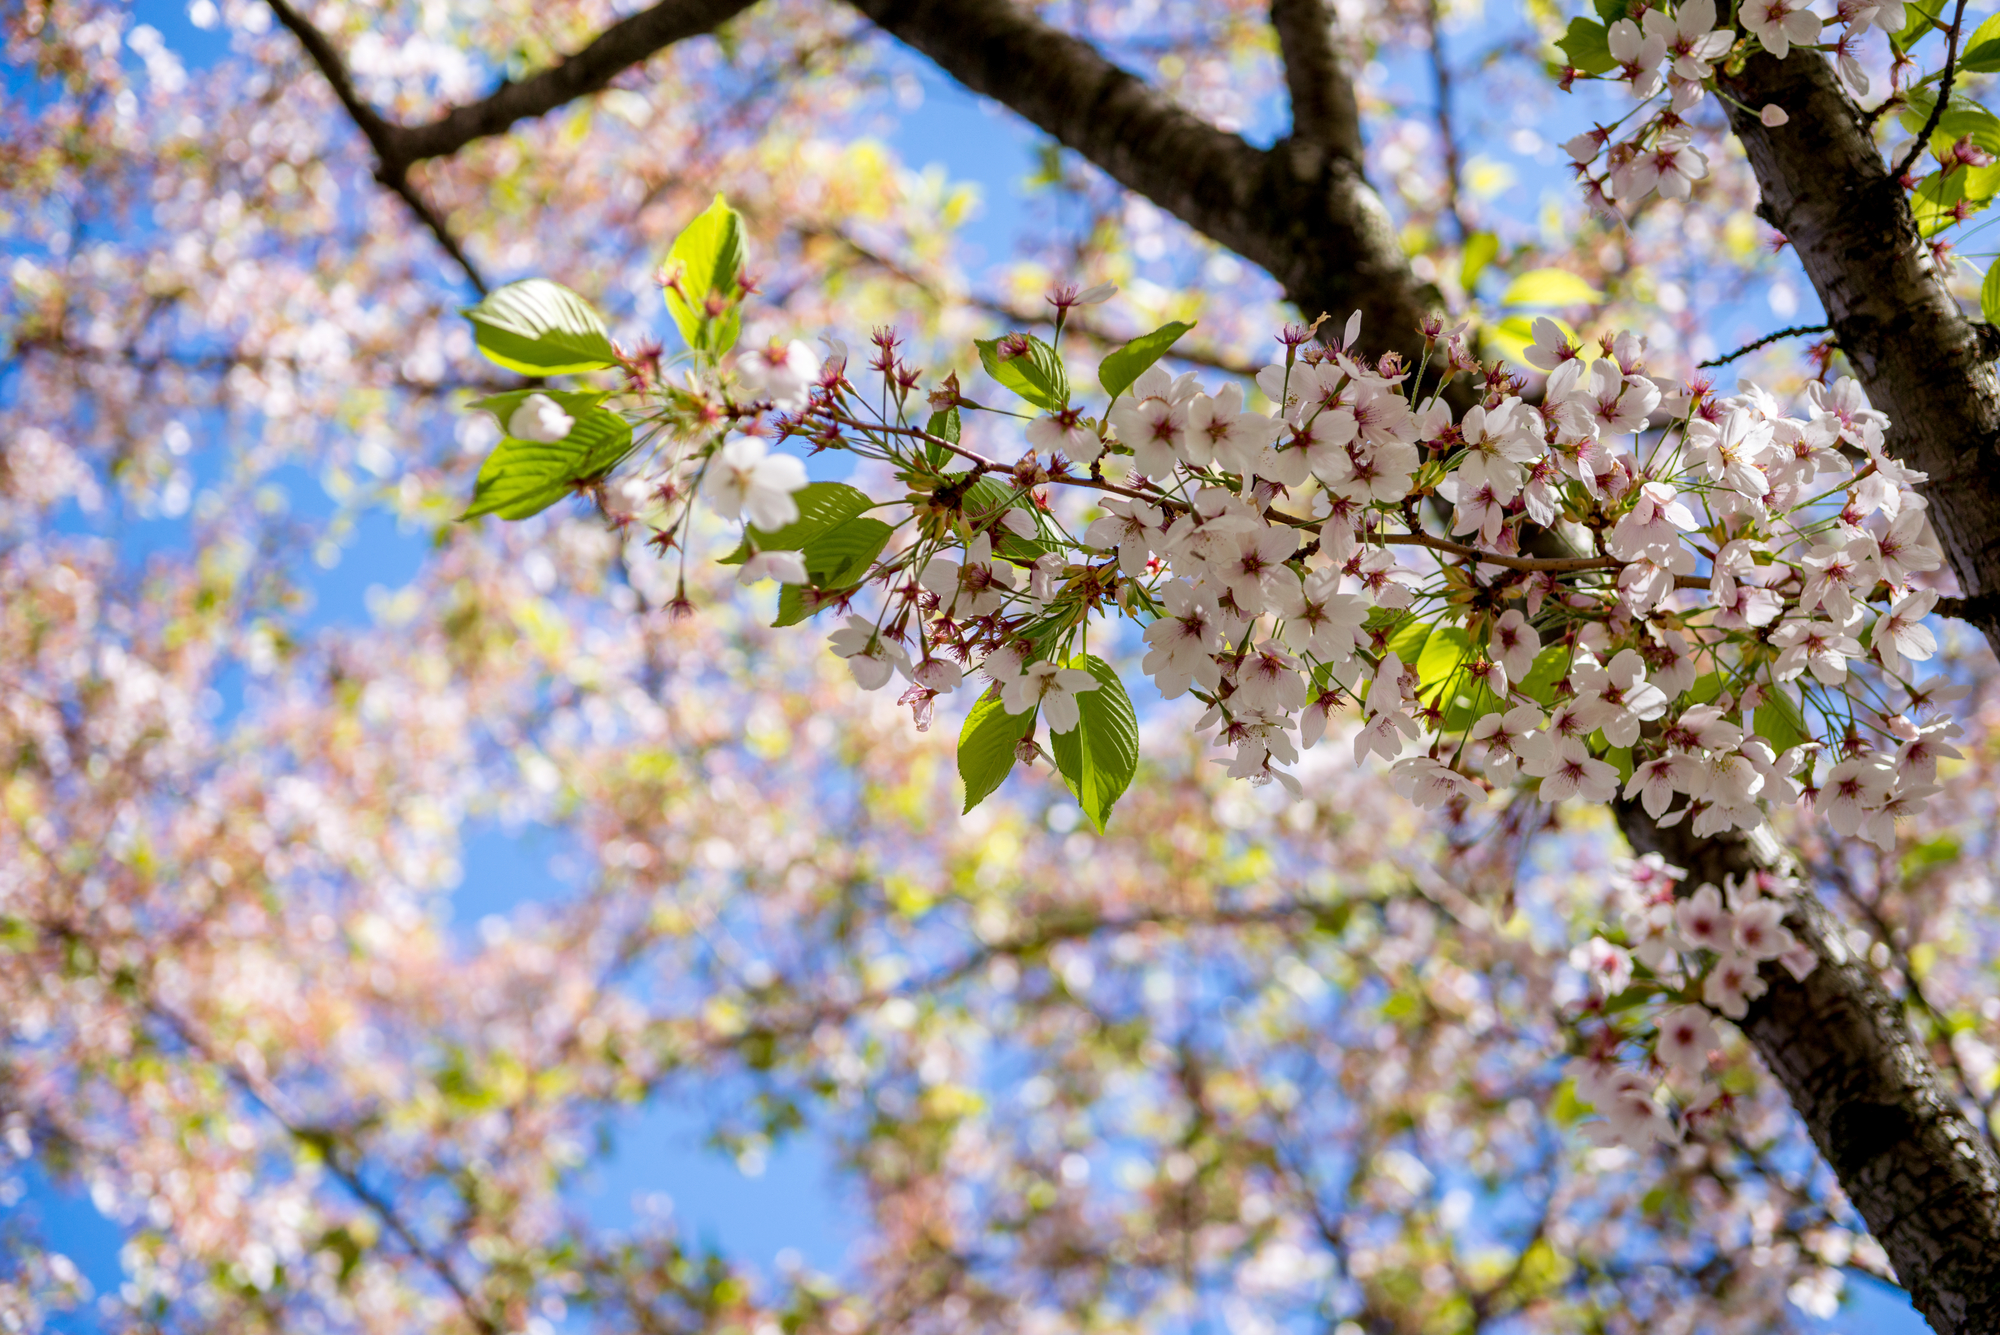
[
  {"x": 1826, "y": 186},
  {"x": 1838, "y": 1042}
]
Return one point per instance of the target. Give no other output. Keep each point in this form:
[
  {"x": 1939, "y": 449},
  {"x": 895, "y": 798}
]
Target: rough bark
[
  {"x": 1908, "y": 1158},
  {"x": 1301, "y": 210},
  {"x": 1826, "y": 186},
  {"x": 1317, "y": 78}
]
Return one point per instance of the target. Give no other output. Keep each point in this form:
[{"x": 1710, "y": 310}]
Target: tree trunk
[{"x": 1909, "y": 1159}]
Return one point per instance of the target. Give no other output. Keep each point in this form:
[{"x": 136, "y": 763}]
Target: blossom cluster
[
  {"x": 1727, "y": 617},
  {"x": 1670, "y": 58},
  {"x": 1698, "y": 954}
]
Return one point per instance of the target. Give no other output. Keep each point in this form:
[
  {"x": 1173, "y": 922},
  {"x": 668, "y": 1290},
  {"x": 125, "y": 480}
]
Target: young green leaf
[
  {"x": 1989, "y": 294},
  {"x": 1551, "y": 666},
  {"x": 1981, "y": 54},
  {"x": 821, "y": 506},
  {"x": 1098, "y": 757},
  {"x": 1119, "y": 369},
  {"x": 1549, "y": 287},
  {"x": 1587, "y": 47},
  {"x": 538, "y": 327},
  {"x": 945, "y": 426},
  {"x": 707, "y": 261},
  {"x": 986, "y": 745},
  {"x": 523, "y": 477},
  {"x": 840, "y": 556},
  {"x": 1480, "y": 250},
  {"x": 1029, "y": 367},
  {"x": 1779, "y": 722}
]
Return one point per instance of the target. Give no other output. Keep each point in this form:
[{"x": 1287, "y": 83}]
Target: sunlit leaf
[
  {"x": 1099, "y": 756},
  {"x": 707, "y": 261},
  {"x": 986, "y": 745},
  {"x": 538, "y": 327},
  {"x": 1119, "y": 369},
  {"x": 524, "y": 477},
  {"x": 1549, "y": 287},
  {"x": 1035, "y": 373}
]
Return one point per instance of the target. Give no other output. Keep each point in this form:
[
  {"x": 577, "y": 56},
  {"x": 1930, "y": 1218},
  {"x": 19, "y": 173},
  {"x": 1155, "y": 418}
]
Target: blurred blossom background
[{"x": 405, "y": 925}]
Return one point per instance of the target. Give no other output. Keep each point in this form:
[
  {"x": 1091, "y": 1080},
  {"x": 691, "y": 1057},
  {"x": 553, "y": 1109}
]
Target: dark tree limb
[
  {"x": 1911, "y": 1161},
  {"x": 1826, "y": 187},
  {"x": 391, "y": 171},
  {"x": 1303, "y": 214},
  {"x": 619, "y": 47},
  {"x": 1322, "y": 93}
]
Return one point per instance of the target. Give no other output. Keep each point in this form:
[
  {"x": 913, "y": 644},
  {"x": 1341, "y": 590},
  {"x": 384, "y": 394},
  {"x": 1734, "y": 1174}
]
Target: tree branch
[
  {"x": 619, "y": 47},
  {"x": 1304, "y": 214},
  {"x": 1323, "y": 107},
  {"x": 1913, "y": 1164},
  {"x": 1943, "y": 97},
  {"x": 391, "y": 171}
]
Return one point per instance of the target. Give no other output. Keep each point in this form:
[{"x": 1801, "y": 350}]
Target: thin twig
[
  {"x": 391, "y": 168},
  {"x": 1749, "y": 348},
  {"x": 1562, "y": 565},
  {"x": 1944, "y": 94}
]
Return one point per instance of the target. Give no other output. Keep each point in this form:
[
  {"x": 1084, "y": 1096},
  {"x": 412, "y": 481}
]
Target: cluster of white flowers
[
  {"x": 1670, "y": 59},
  {"x": 1700, "y": 641},
  {"x": 1710, "y": 944}
]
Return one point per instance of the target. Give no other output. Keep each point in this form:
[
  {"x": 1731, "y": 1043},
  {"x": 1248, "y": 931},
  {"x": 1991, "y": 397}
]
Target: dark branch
[
  {"x": 1323, "y": 108},
  {"x": 1749, "y": 348},
  {"x": 618, "y": 48},
  {"x": 391, "y": 170},
  {"x": 1303, "y": 213}
]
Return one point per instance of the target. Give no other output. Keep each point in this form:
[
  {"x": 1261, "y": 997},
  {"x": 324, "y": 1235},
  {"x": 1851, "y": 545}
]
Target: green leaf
[
  {"x": 1707, "y": 687},
  {"x": 1119, "y": 369},
  {"x": 1587, "y": 47},
  {"x": 1480, "y": 250},
  {"x": 1611, "y": 10},
  {"x": 1918, "y": 19},
  {"x": 1779, "y": 722},
  {"x": 821, "y": 506},
  {"x": 540, "y": 328},
  {"x": 945, "y": 426},
  {"x": 1409, "y": 640},
  {"x": 1549, "y": 287},
  {"x": 707, "y": 261},
  {"x": 1443, "y": 652},
  {"x": 1936, "y": 199},
  {"x": 1989, "y": 294},
  {"x": 792, "y": 605},
  {"x": 986, "y": 745},
  {"x": 524, "y": 477},
  {"x": 1036, "y": 373},
  {"x": 1099, "y": 756},
  {"x": 1981, "y": 52},
  {"x": 1551, "y": 665},
  {"x": 839, "y": 557}
]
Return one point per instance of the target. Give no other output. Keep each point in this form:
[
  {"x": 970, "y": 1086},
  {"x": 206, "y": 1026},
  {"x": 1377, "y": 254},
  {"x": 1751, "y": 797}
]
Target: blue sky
[{"x": 795, "y": 1205}]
